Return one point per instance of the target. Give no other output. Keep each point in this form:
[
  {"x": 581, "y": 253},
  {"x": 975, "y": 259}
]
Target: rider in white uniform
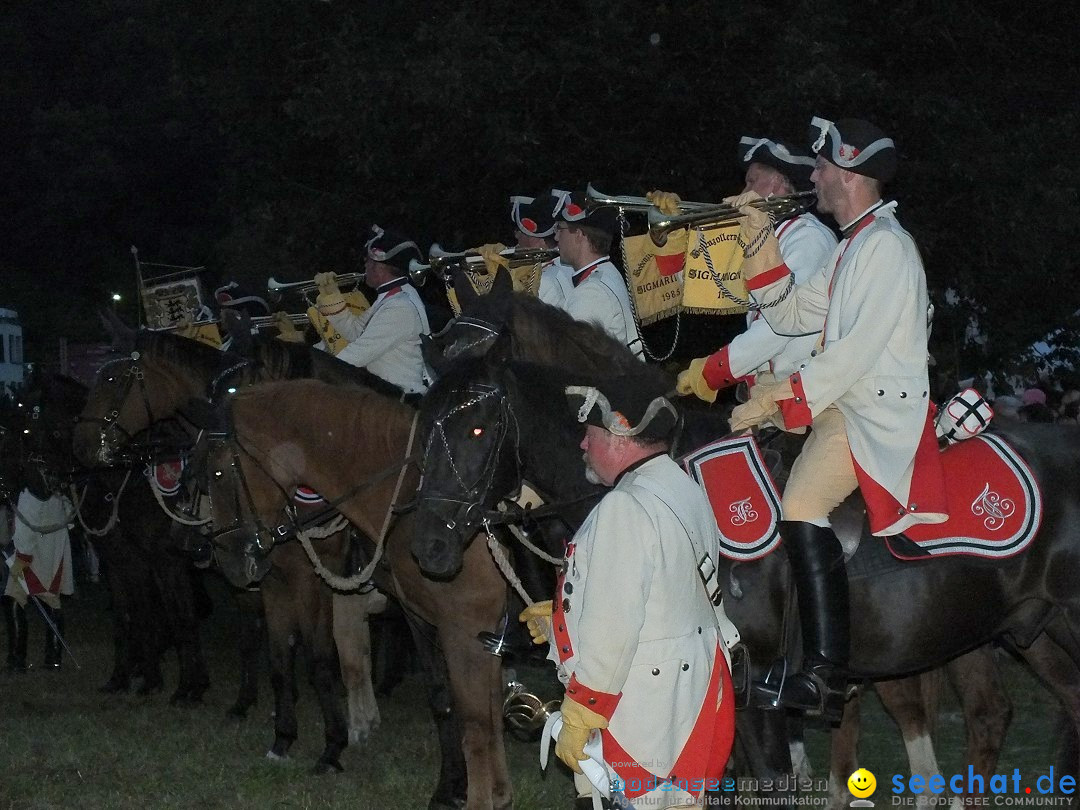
[
  {"x": 386, "y": 338},
  {"x": 534, "y": 229},
  {"x": 599, "y": 291}
]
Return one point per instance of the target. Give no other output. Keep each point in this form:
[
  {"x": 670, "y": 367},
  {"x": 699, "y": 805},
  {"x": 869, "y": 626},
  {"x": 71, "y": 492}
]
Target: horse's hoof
[
  {"x": 360, "y": 735},
  {"x": 275, "y": 757},
  {"x": 327, "y": 766}
]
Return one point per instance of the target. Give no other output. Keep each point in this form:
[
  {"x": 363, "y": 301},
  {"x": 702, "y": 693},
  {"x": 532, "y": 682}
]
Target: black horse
[{"x": 914, "y": 617}]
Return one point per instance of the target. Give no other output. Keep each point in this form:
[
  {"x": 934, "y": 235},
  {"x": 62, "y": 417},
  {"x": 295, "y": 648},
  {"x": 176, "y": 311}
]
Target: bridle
[
  {"x": 111, "y": 433},
  {"x": 467, "y": 501}
]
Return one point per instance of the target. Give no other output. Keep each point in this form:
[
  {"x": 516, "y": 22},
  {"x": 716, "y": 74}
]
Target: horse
[
  {"x": 156, "y": 603},
  {"x": 163, "y": 376},
  {"x": 521, "y": 318},
  {"x": 355, "y": 449}
]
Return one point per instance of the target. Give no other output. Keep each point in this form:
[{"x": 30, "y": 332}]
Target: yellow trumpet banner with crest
[
  {"x": 355, "y": 302},
  {"x": 526, "y": 279},
  {"x": 655, "y": 275},
  {"x": 206, "y": 333},
  {"x": 677, "y": 277},
  {"x": 712, "y": 283}
]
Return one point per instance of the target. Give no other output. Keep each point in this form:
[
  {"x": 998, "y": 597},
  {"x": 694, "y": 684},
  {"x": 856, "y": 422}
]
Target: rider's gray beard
[{"x": 590, "y": 473}]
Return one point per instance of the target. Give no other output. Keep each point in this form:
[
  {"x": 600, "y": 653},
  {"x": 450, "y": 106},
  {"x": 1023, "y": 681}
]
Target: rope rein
[
  {"x": 114, "y": 518},
  {"x": 360, "y": 578}
]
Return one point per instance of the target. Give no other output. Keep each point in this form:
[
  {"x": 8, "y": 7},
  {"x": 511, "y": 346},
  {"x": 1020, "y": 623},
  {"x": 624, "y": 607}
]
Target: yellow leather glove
[
  {"x": 537, "y": 618},
  {"x": 761, "y": 251},
  {"x": 287, "y": 330},
  {"x": 493, "y": 258},
  {"x": 330, "y": 300},
  {"x": 666, "y": 201},
  {"x": 691, "y": 380},
  {"x": 762, "y": 406},
  {"x": 578, "y": 723}
]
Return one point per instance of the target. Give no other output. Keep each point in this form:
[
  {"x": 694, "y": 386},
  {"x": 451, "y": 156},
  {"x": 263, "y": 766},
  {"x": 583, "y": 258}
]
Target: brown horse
[
  {"x": 161, "y": 375},
  {"x": 346, "y": 446}
]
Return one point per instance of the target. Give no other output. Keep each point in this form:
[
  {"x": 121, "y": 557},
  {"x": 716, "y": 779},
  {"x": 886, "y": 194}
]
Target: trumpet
[
  {"x": 308, "y": 287},
  {"x": 596, "y": 199},
  {"x": 442, "y": 262},
  {"x": 263, "y": 321},
  {"x": 661, "y": 225}
]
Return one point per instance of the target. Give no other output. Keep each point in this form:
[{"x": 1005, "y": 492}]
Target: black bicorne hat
[
  {"x": 628, "y": 405},
  {"x": 575, "y": 211},
  {"x": 535, "y": 216},
  {"x": 855, "y": 145},
  {"x": 795, "y": 164},
  {"x": 391, "y": 248}
]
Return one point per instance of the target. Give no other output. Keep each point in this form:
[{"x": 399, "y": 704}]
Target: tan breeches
[{"x": 823, "y": 475}]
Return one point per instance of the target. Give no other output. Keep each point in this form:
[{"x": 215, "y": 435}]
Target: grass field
[{"x": 62, "y": 744}]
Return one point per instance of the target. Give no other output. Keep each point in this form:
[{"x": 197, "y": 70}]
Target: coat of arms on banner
[{"x": 744, "y": 498}]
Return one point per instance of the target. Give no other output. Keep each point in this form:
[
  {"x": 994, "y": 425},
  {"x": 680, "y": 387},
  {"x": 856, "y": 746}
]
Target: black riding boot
[
  {"x": 817, "y": 564},
  {"x": 15, "y": 619}
]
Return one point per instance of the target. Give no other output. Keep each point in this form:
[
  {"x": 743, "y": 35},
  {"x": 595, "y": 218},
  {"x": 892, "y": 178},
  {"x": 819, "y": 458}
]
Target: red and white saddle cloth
[
  {"x": 306, "y": 496},
  {"x": 995, "y": 506},
  {"x": 167, "y": 476},
  {"x": 744, "y": 497},
  {"x": 994, "y": 501}
]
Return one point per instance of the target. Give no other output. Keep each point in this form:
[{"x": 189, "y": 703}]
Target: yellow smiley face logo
[{"x": 862, "y": 783}]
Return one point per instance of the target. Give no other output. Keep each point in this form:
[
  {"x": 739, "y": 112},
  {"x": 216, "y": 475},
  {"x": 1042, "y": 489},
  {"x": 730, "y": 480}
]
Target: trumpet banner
[
  {"x": 207, "y": 333},
  {"x": 655, "y": 275},
  {"x": 526, "y": 279},
  {"x": 355, "y": 302},
  {"x": 710, "y": 292}
]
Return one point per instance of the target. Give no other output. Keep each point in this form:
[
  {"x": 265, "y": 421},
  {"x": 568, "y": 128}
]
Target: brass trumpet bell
[
  {"x": 661, "y": 225},
  {"x": 525, "y": 714}
]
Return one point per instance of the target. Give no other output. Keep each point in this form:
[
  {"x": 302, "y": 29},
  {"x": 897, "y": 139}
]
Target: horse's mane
[
  {"x": 278, "y": 360},
  {"x": 204, "y": 361},
  {"x": 549, "y": 336}
]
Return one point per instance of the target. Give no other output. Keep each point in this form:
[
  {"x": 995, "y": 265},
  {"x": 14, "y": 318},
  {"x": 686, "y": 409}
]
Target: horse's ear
[
  {"x": 122, "y": 335},
  {"x": 237, "y": 325},
  {"x": 503, "y": 285},
  {"x": 465, "y": 292}
]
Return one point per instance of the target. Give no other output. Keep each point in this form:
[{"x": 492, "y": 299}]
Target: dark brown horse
[
  {"x": 164, "y": 375},
  {"x": 352, "y": 447}
]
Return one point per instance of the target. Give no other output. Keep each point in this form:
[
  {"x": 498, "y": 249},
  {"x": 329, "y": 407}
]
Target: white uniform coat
[
  {"x": 602, "y": 298},
  {"x": 870, "y": 301},
  {"x": 805, "y": 244},
  {"x": 555, "y": 283},
  {"x": 49, "y": 553},
  {"x": 386, "y": 338},
  {"x": 631, "y": 615}
]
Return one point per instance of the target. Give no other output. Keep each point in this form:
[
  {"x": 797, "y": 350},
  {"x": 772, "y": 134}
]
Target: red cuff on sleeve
[
  {"x": 796, "y": 411},
  {"x": 717, "y": 370},
  {"x": 768, "y": 277},
  {"x": 603, "y": 703}
]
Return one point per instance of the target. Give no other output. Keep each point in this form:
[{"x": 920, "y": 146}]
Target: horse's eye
[{"x": 477, "y": 432}]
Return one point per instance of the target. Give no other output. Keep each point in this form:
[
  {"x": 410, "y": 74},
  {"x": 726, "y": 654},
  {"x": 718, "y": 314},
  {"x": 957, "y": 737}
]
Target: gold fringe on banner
[{"x": 526, "y": 279}]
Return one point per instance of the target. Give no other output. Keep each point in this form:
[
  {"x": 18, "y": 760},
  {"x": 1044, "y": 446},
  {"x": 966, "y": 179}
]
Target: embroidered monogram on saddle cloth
[
  {"x": 995, "y": 506},
  {"x": 744, "y": 498}
]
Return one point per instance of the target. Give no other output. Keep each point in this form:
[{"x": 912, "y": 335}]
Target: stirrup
[{"x": 768, "y": 692}]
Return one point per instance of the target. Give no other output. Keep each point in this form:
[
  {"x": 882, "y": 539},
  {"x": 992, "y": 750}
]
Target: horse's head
[
  {"x": 242, "y": 494},
  {"x": 472, "y": 334},
  {"x": 152, "y": 382},
  {"x": 471, "y": 460}
]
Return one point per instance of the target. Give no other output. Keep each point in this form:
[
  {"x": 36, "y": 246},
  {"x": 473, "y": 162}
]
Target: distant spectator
[
  {"x": 1007, "y": 406},
  {"x": 1033, "y": 396},
  {"x": 1069, "y": 409},
  {"x": 1035, "y": 412}
]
